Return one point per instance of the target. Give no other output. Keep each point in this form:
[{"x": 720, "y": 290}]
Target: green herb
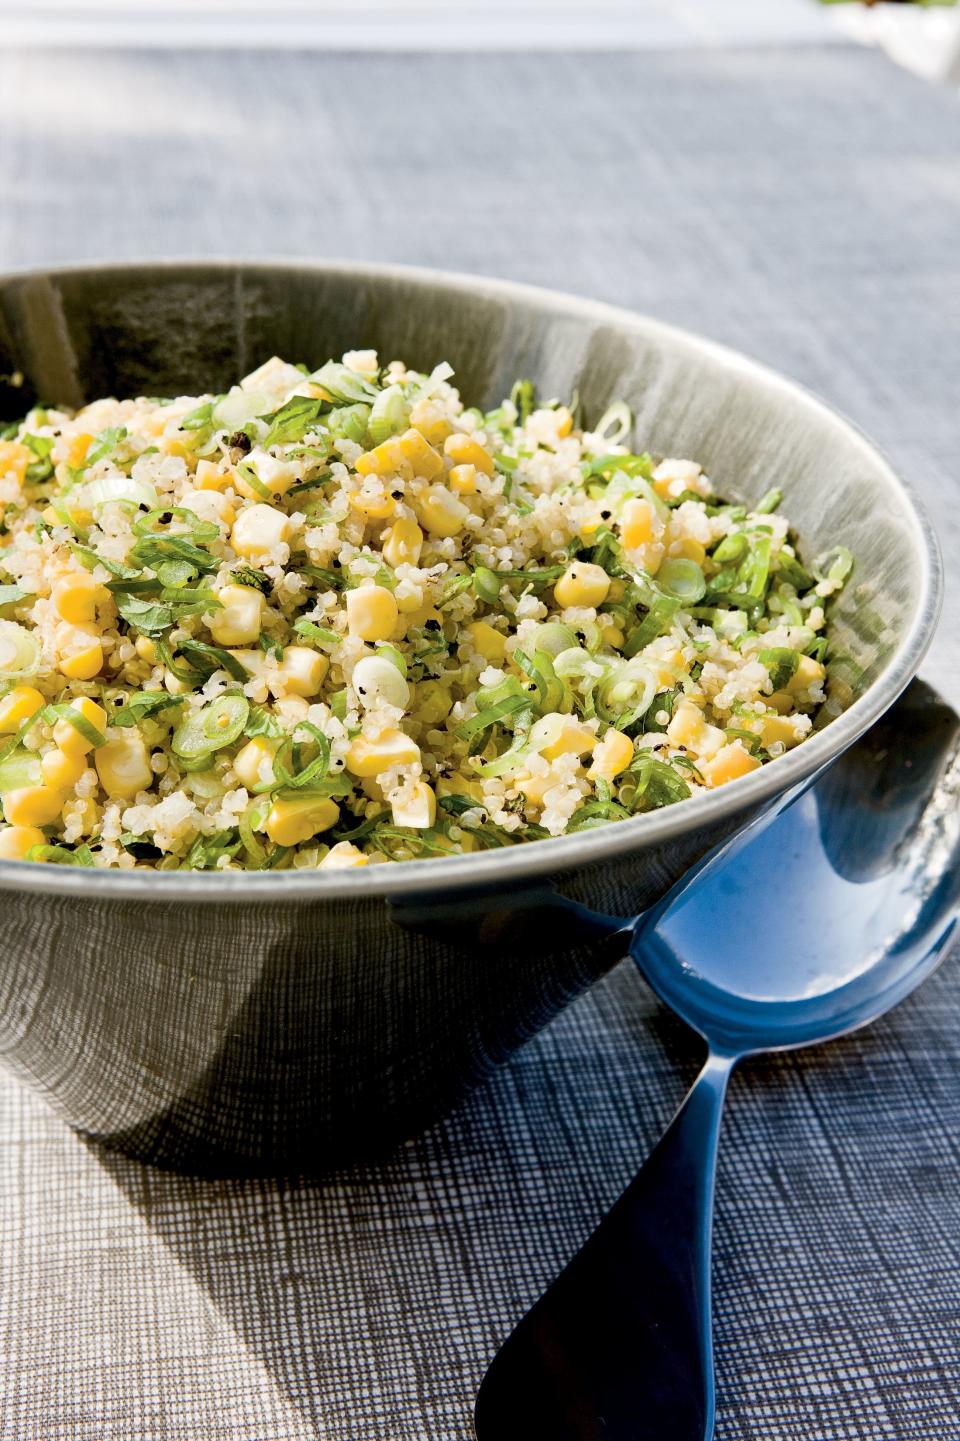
[
  {"x": 141, "y": 705},
  {"x": 255, "y": 579},
  {"x": 782, "y": 664}
]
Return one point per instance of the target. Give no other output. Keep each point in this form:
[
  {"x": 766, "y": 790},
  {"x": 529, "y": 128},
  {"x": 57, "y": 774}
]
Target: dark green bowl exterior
[{"x": 252, "y": 1023}]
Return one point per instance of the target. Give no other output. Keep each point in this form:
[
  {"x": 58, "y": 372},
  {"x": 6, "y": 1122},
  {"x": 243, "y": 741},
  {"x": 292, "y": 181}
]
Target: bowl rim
[{"x": 510, "y": 866}]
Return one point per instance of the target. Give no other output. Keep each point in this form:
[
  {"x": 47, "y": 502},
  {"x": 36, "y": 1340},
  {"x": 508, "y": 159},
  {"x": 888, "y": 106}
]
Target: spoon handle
[
  {"x": 670, "y": 1205},
  {"x": 619, "y": 1347}
]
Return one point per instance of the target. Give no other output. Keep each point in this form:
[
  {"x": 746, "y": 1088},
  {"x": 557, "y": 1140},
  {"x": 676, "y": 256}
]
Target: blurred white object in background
[
  {"x": 922, "y": 38},
  {"x": 397, "y": 25}
]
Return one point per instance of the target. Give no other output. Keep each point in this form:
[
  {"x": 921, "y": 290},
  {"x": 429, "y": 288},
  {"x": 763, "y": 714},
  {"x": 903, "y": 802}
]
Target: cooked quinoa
[{"x": 334, "y": 618}]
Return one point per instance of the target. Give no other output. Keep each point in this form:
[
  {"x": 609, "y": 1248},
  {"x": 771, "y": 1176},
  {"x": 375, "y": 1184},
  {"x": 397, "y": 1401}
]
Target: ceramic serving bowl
[{"x": 258, "y": 1022}]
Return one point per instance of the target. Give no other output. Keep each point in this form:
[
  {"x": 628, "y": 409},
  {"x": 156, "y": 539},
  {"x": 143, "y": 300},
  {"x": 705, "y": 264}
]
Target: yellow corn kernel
[
  {"x": 146, "y": 649},
  {"x": 253, "y": 764},
  {"x": 211, "y": 477},
  {"x": 32, "y": 806},
  {"x": 686, "y": 724},
  {"x": 464, "y": 451},
  {"x": 272, "y": 474},
  {"x": 343, "y": 856},
  {"x": 417, "y": 807},
  {"x": 777, "y": 730},
  {"x": 636, "y": 523},
  {"x": 441, "y": 512},
  {"x": 14, "y": 459},
  {"x": 689, "y": 550},
  {"x": 77, "y": 449},
  {"x": 433, "y": 702},
  {"x": 463, "y": 479},
  {"x": 291, "y": 822},
  {"x": 535, "y": 787},
  {"x": 730, "y": 761},
  {"x": 303, "y": 670},
  {"x": 374, "y": 507},
  {"x": 372, "y": 789},
  {"x": 258, "y": 530},
  {"x": 369, "y": 756},
  {"x": 384, "y": 459},
  {"x": 61, "y": 771},
  {"x": 434, "y": 429},
  {"x": 173, "y": 445},
  {"x": 68, "y": 738},
  {"x": 239, "y": 619},
  {"x": 76, "y": 597},
  {"x": 612, "y": 634},
  {"x": 123, "y": 765},
  {"x": 210, "y": 505},
  {"x": 84, "y": 657},
  {"x": 582, "y": 584},
  {"x": 612, "y": 755},
  {"x": 403, "y": 544},
  {"x": 488, "y": 642},
  {"x": 556, "y": 735},
  {"x": 16, "y": 841},
  {"x": 17, "y": 706},
  {"x": 564, "y": 421},
  {"x": 420, "y": 456},
  {"x": 372, "y": 612},
  {"x": 416, "y": 619},
  {"x": 807, "y": 673}
]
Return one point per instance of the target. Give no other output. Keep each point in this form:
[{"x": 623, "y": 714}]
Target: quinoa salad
[{"x": 334, "y": 618}]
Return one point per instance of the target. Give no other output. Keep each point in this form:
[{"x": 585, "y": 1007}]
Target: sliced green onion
[
  {"x": 394, "y": 656},
  {"x": 389, "y": 414},
  {"x": 60, "y": 855},
  {"x": 834, "y": 565},
  {"x": 217, "y": 725},
  {"x": 321, "y": 633},
  {"x": 625, "y": 693},
  {"x": 486, "y": 583},
  {"x": 615, "y": 424},
  {"x": 76, "y": 718},
  {"x": 114, "y": 488},
  {"x": 554, "y": 638},
  {"x": 289, "y": 753},
  {"x": 19, "y": 769},
  {"x": 233, "y": 410},
  {"x": 769, "y": 502},
  {"x": 475, "y": 725},
  {"x": 575, "y": 662},
  {"x": 251, "y": 821},
  {"x": 731, "y": 549},
  {"x": 682, "y": 580},
  {"x": 515, "y": 753},
  {"x": 19, "y": 651}
]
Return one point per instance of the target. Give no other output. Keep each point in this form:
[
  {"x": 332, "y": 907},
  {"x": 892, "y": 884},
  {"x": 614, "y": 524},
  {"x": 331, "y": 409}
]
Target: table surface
[{"x": 804, "y": 206}]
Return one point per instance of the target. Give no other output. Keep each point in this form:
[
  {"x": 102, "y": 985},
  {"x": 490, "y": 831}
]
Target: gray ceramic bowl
[{"x": 256, "y": 1022}]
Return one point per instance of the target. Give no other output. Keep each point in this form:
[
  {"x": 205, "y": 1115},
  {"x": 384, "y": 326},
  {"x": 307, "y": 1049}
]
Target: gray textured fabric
[{"x": 804, "y": 206}]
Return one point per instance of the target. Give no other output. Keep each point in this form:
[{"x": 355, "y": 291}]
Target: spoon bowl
[
  {"x": 815, "y": 920},
  {"x": 829, "y": 910}
]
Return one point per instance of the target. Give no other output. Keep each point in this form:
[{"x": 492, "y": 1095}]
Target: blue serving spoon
[{"x": 815, "y": 920}]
